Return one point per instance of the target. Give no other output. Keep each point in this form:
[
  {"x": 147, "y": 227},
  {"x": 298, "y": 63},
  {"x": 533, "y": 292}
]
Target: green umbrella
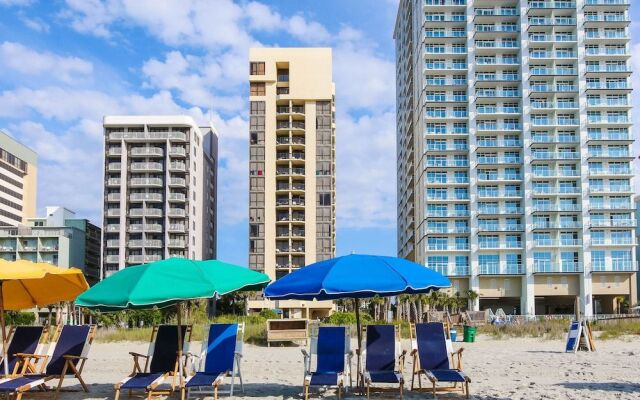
[{"x": 168, "y": 283}]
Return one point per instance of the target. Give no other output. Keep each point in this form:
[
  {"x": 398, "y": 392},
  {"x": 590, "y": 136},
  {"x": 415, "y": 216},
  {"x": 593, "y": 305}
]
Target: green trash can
[{"x": 470, "y": 333}]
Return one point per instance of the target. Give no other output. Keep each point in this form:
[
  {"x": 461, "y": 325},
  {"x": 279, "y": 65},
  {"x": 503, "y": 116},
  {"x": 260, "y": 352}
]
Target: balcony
[
  {"x": 114, "y": 166},
  {"x": 177, "y": 243},
  {"x": 556, "y": 208},
  {"x": 113, "y": 182},
  {"x": 139, "y": 259},
  {"x": 177, "y": 167},
  {"x": 113, "y": 212},
  {"x": 145, "y": 197},
  {"x": 446, "y": 163},
  {"x": 145, "y": 212},
  {"x": 492, "y": 268},
  {"x": 177, "y": 152},
  {"x": 447, "y": 213},
  {"x": 177, "y": 197},
  {"x": 133, "y": 136},
  {"x": 177, "y": 213},
  {"x": 441, "y": 66},
  {"x": 559, "y": 225},
  {"x": 499, "y": 160},
  {"x": 151, "y": 243},
  {"x": 177, "y": 228},
  {"x": 621, "y": 241},
  {"x": 113, "y": 228},
  {"x": 558, "y": 21},
  {"x": 500, "y": 211},
  {"x": 146, "y": 167},
  {"x": 610, "y": 171},
  {"x": 551, "y": 155},
  {"x": 608, "y": 86},
  {"x": 541, "y": 37},
  {"x": 177, "y": 182},
  {"x": 617, "y": 223},
  {"x": 483, "y": 109},
  {"x": 137, "y": 182},
  {"x": 482, "y": 126},
  {"x": 439, "y": 3},
  {"x": 146, "y": 152},
  {"x": 498, "y": 177},
  {"x": 549, "y": 267},
  {"x": 499, "y": 193},
  {"x": 112, "y": 258},
  {"x": 500, "y": 228},
  {"x": 557, "y": 243},
  {"x": 113, "y": 243},
  {"x": 615, "y": 266},
  {"x": 497, "y": 93},
  {"x": 289, "y": 171},
  {"x": 553, "y": 71},
  {"x": 114, "y": 152},
  {"x": 554, "y": 139},
  {"x": 115, "y": 197},
  {"x": 556, "y": 190},
  {"x": 607, "y": 2}
]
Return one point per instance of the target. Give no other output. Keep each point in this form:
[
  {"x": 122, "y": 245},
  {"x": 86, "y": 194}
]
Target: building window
[
  {"x": 256, "y": 68},
  {"x": 257, "y": 89}
]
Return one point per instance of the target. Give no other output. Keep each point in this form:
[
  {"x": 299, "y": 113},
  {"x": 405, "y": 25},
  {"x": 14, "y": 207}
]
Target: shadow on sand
[{"x": 618, "y": 387}]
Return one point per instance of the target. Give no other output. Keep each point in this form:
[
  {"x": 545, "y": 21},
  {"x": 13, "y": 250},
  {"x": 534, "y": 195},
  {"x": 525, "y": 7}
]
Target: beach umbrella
[
  {"x": 167, "y": 283},
  {"x": 25, "y": 284},
  {"x": 356, "y": 276}
]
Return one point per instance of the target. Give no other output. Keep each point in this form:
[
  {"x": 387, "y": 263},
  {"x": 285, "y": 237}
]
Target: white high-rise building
[
  {"x": 18, "y": 172},
  {"x": 159, "y": 190},
  {"x": 514, "y": 150}
]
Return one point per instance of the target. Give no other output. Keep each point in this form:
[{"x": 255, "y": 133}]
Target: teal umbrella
[{"x": 168, "y": 283}]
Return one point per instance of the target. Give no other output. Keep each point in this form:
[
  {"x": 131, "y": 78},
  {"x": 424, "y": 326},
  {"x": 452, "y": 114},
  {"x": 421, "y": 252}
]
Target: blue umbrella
[{"x": 356, "y": 276}]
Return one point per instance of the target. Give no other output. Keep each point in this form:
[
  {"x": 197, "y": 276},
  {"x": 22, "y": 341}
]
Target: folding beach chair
[
  {"x": 331, "y": 348},
  {"x": 382, "y": 350},
  {"x": 66, "y": 356},
  {"x": 431, "y": 358},
  {"x": 25, "y": 340},
  {"x": 219, "y": 358},
  {"x": 160, "y": 362}
]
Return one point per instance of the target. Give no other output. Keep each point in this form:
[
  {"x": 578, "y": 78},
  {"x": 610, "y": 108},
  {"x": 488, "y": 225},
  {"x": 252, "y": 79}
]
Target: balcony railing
[
  {"x": 614, "y": 266},
  {"x": 497, "y": 268},
  {"x": 617, "y": 223},
  {"x": 555, "y": 267}
]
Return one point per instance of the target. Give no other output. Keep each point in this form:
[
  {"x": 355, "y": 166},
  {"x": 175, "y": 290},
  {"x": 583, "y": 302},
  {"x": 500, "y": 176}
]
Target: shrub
[
  {"x": 20, "y": 318},
  {"x": 268, "y": 314},
  {"x": 346, "y": 318}
]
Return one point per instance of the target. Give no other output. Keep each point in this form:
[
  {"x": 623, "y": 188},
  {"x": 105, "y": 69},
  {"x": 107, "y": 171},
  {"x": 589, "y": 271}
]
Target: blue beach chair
[
  {"x": 219, "y": 358},
  {"x": 22, "y": 340},
  {"x": 431, "y": 358},
  {"x": 331, "y": 348},
  {"x": 160, "y": 363},
  {"x": 383, "y": 350},
  {"x": 66, "y": 356}
]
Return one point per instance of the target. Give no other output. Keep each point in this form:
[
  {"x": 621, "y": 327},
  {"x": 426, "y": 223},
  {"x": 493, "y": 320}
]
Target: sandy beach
[{"x": 499, "y": 369}]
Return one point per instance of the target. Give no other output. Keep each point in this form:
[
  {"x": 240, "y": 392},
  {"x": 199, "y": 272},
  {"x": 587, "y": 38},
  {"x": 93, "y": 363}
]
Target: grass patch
[
  {"x": 614, "y": 329},
  {"x": 552, "y": 329}
]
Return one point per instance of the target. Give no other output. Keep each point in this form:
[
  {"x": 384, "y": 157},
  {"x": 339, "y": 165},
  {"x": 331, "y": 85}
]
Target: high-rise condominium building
[
  {"x": 159, "y": 190},
  {"x": 18, "y": 171},
  {"x": 514, "y": 150},
  {"x": 292, "y": 166},
  {"x": 58, "y": 238}
]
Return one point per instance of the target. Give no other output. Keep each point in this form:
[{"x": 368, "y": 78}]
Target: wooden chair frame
[
  {"x": 150, "y": 390},
  {"x": 31, "y": 368},
  {"x": 455, "y": 360},
  {"x": 74, "y": 364}
]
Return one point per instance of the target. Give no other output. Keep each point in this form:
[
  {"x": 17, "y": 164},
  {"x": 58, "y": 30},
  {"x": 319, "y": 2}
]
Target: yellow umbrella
[{"x": 25, "y": 284}]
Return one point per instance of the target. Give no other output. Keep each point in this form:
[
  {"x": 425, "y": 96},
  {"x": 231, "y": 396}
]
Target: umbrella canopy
[
  {"x": 356, "y": 276},
  {"x": 25, "y": 284},
  {"x": 167, "y": 282}
]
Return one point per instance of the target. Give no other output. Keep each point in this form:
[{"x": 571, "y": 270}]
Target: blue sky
[{"x": 65, "y": 64}]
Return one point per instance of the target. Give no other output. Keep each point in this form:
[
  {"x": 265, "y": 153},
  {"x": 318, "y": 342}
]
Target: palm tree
[{"x": 471, "y": 298}]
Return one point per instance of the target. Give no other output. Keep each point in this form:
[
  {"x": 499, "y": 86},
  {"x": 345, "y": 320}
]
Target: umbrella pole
[
  {"x": 5, "y": 357},
  {"x": 359, "y": 328},
  {"x": 180, "y": 371}
]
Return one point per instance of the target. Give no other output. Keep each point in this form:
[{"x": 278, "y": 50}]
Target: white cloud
[
  {"x": 27, "y": 61},
  {"x": 261, "y": 17},
  {"x": 36, "y": 24},
  {"x": 194, "y": 79},
  {"x": 307, "y": 31}
]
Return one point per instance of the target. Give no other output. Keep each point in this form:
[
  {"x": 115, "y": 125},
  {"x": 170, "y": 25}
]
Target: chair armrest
[
  {"x": 238, "y": 354},
  {"x": 414, "y": 352},
  {"x": 136, "y": 355},
  {"x": 304, "y": 353},
  {"x": 70, "y": 357},
  {"x": 27, "y": 355}
]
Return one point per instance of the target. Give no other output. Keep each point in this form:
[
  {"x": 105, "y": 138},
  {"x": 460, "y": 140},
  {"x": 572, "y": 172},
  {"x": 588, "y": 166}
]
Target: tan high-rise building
[
  {"x": 292, "y": 166},
  {"x": 17, "y": 181}
]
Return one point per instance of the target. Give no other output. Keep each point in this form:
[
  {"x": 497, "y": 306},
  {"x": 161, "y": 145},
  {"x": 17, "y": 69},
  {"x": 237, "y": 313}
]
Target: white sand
[{"x": 506, "y": 369}]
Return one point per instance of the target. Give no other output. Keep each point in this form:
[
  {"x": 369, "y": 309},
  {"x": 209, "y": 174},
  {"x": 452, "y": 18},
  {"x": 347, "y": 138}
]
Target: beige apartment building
[
  {"x": 159, "y": 190},
  {"x": 18, "y": 172},
  {"x": 292, "y": 167}
]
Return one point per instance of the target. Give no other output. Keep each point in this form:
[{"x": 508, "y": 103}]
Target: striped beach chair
[
  {"x": 160, "y": 363},
  {"x": 66, "y": 357},
  {"x": 383, "y": 358},
  {"x": 431, "y": 358},
  {"x": 331, "y": 348},
  {"x": 220, "y": 357},
  {"x": 22, "y": 340}
]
